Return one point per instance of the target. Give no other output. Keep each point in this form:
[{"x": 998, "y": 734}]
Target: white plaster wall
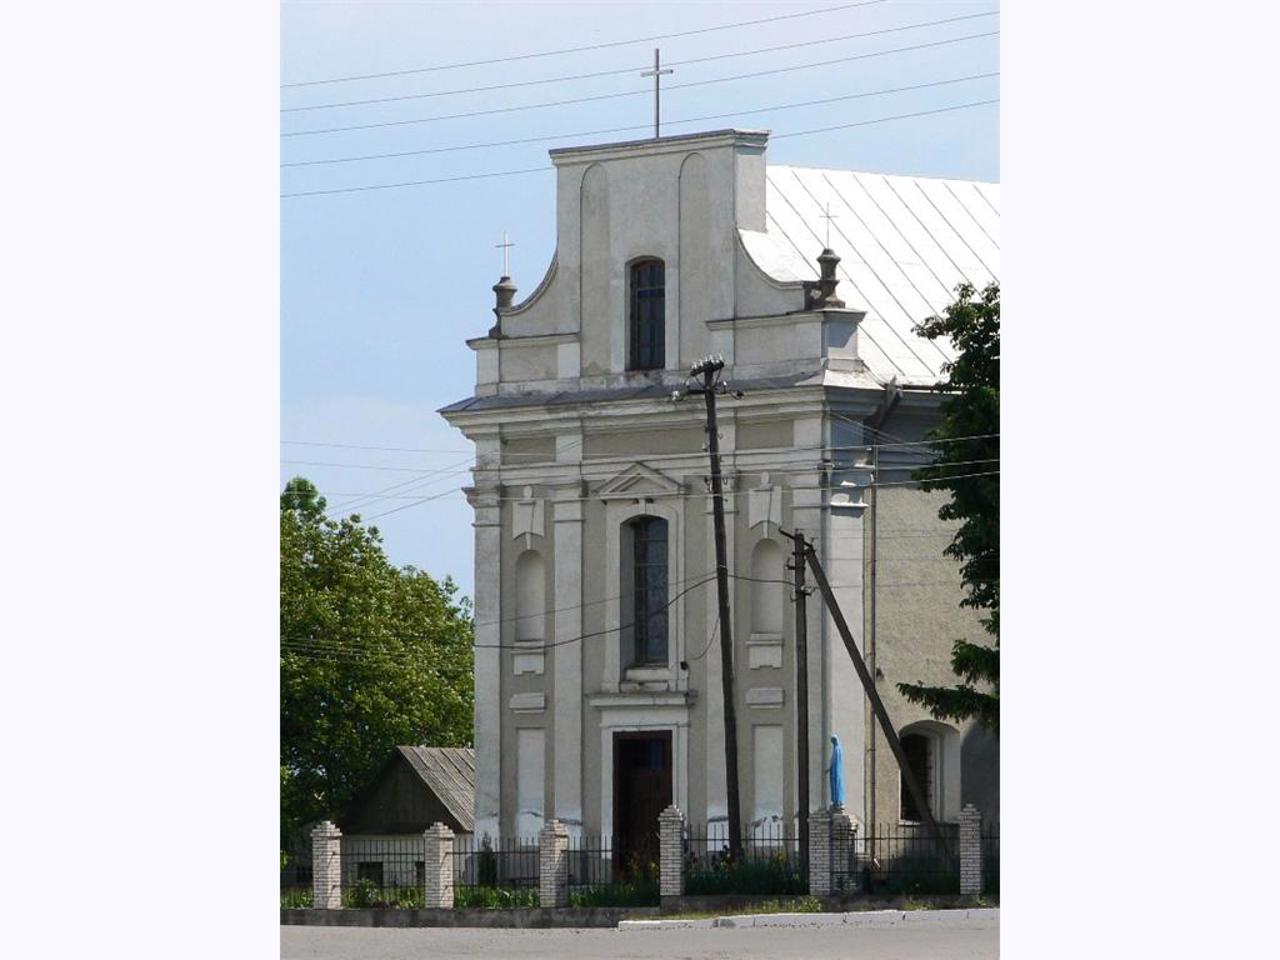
[{"x": 530, "y": 759}]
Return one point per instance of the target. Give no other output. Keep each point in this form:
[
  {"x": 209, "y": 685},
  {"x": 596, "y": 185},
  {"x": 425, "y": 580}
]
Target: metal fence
[
  {"x": 906, "y": 859},
  {"x": 770, "y": 862},
  {"x": 495, "y": 873},
  {"x": 991, "y": 858},
  {"x": 382, "y": 871},
  {"x": 603, "y": 874}
]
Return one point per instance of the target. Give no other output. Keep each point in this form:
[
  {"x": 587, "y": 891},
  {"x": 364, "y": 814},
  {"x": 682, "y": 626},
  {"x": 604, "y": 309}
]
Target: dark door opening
[{"x": 641, "y": 791}]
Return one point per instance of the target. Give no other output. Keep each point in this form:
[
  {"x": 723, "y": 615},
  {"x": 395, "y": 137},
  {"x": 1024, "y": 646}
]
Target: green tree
[
  {"x": 371, "y": 656},
  {"x": 966, "y": 443}
]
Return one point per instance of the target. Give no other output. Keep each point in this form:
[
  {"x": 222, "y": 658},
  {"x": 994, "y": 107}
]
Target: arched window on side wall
[
  {"x": 648, "y": 568},
  {"x": 921, "y": 753},
  {"x": 647, "y": 317},
  {"x": 766, "y": 598},
  {"x": 531, "y": 591}
]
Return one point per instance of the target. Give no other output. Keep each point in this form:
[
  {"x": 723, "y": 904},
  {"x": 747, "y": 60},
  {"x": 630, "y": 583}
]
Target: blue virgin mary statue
[{"x": 836, "y": 771}]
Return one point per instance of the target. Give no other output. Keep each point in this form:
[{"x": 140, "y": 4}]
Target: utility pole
[
  {"x": 709, "y": 369},
  {"x": 877, "y": 705},
  {"x": 802, "y": 693}
]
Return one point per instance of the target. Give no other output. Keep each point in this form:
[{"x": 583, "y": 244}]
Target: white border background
[{"x": 140, "y": 395}]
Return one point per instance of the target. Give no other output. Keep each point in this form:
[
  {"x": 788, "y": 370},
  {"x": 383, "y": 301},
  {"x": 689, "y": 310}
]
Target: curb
[{"x": 864, "y": 918}]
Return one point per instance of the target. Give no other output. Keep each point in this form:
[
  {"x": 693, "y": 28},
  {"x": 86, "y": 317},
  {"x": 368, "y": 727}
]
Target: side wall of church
[{"x": 917, "y": 619}]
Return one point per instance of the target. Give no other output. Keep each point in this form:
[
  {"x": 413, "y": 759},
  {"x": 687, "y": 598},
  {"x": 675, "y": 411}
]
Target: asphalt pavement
[{"x": 957, "y": 935}]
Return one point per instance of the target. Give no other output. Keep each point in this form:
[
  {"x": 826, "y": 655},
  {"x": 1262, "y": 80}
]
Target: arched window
[
  {"x": 920, "y": 751},
  {"x": 766, "y": 598},
  {"x": 648, "y": 316},
  {"x": 646, "y": 557},
  {"x": 531, "y": 591}
]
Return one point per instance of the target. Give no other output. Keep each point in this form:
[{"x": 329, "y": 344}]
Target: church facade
[{"x": 597, "y": 668}]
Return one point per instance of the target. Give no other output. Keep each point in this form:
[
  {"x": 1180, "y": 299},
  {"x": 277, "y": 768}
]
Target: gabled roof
[
  {"x": 450, "y": 773},
  {"x": 904, "y": 244}
]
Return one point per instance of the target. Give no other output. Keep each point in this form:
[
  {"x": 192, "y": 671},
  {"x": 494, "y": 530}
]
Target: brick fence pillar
[
  {"x": 326, "y": 869},
  {"x": 820, "y": 853},
  {"x": 970, "y": 850},
  {"x": 841, "y": 850},
  {"x": 671, "y": 852},
  {"x": 437, "y": 881},
  {"x": 553, "y": 865}
]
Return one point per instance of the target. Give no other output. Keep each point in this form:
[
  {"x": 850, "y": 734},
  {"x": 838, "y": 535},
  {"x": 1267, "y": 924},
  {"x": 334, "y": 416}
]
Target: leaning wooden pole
[{"x": 877, "y": 705}]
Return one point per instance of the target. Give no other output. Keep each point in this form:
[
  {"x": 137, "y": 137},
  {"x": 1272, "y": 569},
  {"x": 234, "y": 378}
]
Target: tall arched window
[
  {"x": 766, "y": 598},
  {"x": 648, "y": 563},
  {"x": 531, "y": 591},
  {"x": 648, "y": 316}
]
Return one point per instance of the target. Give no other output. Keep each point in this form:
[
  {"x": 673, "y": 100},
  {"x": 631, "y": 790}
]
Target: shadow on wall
[{"x": 980, "y": 763}]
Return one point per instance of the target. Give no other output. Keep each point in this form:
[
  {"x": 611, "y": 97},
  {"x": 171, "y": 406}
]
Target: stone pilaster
[
  {"x": 437, "y": 888},
  {"x": 671, "y": 852},
  {"x": 567, "y": 660},
  {"x": 553, "y": 865},
  {"x": 841, "y": 849},
  {"x": 970, "y": 850},
  {"x": 326, "y": 860},
  {"x": 820, "y": 853}
]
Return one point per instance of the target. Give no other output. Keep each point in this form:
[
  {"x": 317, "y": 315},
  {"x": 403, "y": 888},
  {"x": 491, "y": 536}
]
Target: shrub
[
  {"x": 773, "y": 873},
  {"x": 295, "y": 897},
  {"x": 495, "y": 898}
]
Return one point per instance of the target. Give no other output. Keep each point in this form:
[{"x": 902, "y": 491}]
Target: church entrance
[{"x": 641, "y": 791}]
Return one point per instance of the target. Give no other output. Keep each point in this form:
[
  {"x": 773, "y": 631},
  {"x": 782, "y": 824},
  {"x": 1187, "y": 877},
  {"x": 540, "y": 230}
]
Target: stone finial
[
  {"x": 820, "y": 294},
  {"x": 504, "y": 292}
]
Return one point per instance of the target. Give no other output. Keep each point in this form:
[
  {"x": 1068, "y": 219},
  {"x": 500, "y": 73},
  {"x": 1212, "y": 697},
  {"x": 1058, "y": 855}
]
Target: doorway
[{"x": 641, "y": 791}]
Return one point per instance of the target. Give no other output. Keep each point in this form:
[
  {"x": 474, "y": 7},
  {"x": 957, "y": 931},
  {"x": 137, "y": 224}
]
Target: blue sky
[{"x": 381, "y": 288}]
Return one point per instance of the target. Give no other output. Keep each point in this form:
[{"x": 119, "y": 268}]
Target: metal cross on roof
[
  {"x": 828, "y": 216},
  {"x": 657, "y": 73},
  {"x": 506, "y": 246}
]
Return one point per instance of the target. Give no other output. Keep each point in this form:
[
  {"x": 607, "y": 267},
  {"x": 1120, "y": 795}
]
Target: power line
[
  {"x": 508, "y": 173},
  {"x": 595, "y": 46},
  {"x": 640, "y": 126},
  {"x": 637, "y": 93},
  {"x": 628, "y": 70},
  {"x": 863, "y": 123}
]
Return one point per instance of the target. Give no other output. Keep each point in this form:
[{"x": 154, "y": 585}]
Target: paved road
[{"x": 941, "y": 939}]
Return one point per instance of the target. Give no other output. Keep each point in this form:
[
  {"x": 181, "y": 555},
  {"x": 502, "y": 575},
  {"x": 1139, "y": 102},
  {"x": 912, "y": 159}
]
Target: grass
[
  {"x": 494, "y": 898},
  {"x": 775, "y": 875},
  {"x": 794, "y": 905},
  {"x": 295, "y": 897},
  {"x": 635, "y": 893}
]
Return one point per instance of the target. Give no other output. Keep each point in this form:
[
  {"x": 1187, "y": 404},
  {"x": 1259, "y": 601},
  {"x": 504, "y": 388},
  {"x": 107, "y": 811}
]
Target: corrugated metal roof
[
  {"x": 904, "y": 244},
  {"x": 450, "y": 773}
]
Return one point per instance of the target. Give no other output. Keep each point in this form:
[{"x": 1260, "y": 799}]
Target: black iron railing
[
  {"x": 904, "y": 858},
  {"x": 495, "y": 873},
  {"x": 604, "y": 873},
  {"x": 991, "y": 858},
  {"x": 380, "y": 871},
  {"x": 770, "y": 862}
]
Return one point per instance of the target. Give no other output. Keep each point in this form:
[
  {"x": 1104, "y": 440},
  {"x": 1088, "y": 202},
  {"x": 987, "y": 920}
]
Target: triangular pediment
[{"x": 637, "y": 481}]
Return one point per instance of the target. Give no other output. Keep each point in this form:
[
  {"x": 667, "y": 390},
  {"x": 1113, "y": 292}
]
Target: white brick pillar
[
  {"x": 437, "y": 883},
  {"x": 326, "y": 869},
  {"x": 820, "y": 853},
  {"x": 671, "y": 852},
  {"x": 970, "y": 850},
  {"x": 553, "y": 865},
  {"x": 841, "y": 850}
]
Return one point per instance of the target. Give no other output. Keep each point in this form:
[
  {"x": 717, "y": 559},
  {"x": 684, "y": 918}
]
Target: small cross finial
[
  {"x": 657, "y": 73},
  {"x": 828, "y": 216},
  {"x": 506, "y": 246}
]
